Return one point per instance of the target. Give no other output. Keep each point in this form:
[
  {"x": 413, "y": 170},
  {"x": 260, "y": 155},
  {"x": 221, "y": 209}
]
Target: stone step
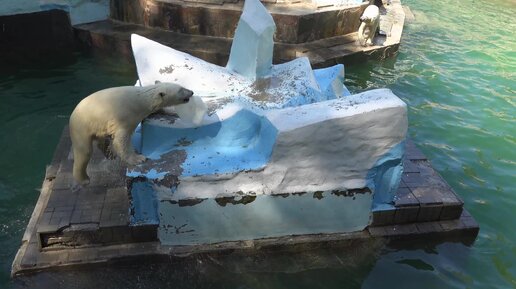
[
  {"x": 423, "y": 195},
  {"x": 295, "y": 22},
  {"x": 114, "y": 37},
  {"x": 92, "y": 226},
  {"x": 465, "y": 229},
  {"x": 98, "y": 214}
]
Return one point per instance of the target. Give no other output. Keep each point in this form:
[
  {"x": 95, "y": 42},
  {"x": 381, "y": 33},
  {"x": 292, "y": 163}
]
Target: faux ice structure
[
  {"x": 281, "y": 150},
  {"x": 252, "y": 57}
]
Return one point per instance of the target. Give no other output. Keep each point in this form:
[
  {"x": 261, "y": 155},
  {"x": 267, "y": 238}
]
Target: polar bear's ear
[{"x": 157, "y": 81}]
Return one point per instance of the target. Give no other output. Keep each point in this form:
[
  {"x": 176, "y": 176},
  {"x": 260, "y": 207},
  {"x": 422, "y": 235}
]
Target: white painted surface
[
  {"x": 81, "y": 11},
  {"x": 193, "y": 112},
  {"x": 330, "y": 145},
  {"x": 252, "y": 47},
  {"x": 291, "y": 83},
  {"x": 341, "y": 139},
  {"x": 12, "y": 7}
]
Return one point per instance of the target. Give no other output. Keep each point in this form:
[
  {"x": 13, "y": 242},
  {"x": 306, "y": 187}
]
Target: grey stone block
[
  {"x": 468, "y": 220},
  {"x": 429, "y": 213},
  {"x": 412, "y": 152},
  {"x": 114, "y": 216},
  {"x": 52, "y": 258},
  {"x": 451, "y": 225},
  {"x": 381, "y": 218},
  {"x": 105, "y": 235},
  {"x": 427, "y": 195},
  {"x": 44, "y": 229},
  {"x": 147, "y": 248},
  {"x": 117, "y": 195},
  {"x": 404, "y": 197},
  {"x": 401, "y": 230},
  {"x": 147, "y": 233},
  {"x": 61, "y": 198},
  {"x": 61, "y": 218},
  {"x": 63, "y": 180},
  {"x": 412, "y": 179},
  {"x": 406, "y": 214},
  {"x": 82, "y": 255},
  {"x": 451, "y": 212},
  {"x": 31, "y": 256},
  {"x": 409, "y": 166},
  {"x": 429, "y": 227},
  {"x": 90, "y": 216},
  {"x": 91, "y": 196},
  {"x": 76, "y": 217},
  {"x": 377, "y": 231},
  {"x": 45, "y": 218},
  {"x": 121, "y": 234}
]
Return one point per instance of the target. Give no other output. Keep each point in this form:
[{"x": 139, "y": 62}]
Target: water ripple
[{"x": 456, "y": 70}]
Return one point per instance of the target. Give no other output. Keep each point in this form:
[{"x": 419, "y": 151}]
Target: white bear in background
[
  {"x": 370, "y": 22},
  {"x": 115, "y": 112}
]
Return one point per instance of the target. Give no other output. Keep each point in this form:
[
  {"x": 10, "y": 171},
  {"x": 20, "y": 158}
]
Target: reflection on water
[{"x": 456, "y": 70}]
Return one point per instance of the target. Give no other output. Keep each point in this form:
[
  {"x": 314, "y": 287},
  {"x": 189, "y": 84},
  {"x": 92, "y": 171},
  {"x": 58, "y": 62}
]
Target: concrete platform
[
  {"x": 296, "y": 21},
  {"x": 113, "y": 36},
  {"x": 92, "y": 226}
]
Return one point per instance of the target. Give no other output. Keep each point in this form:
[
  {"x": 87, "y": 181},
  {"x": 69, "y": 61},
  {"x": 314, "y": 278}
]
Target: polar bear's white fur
[
  {"x": 370, "y": 22},
  {"x": 116, "y": 112}
]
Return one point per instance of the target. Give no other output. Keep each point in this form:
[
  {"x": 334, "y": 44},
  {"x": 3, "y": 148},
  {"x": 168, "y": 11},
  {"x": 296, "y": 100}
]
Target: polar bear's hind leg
[{"x": 81, "y": 156}]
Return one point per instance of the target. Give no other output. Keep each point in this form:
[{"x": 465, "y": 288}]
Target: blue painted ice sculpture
[{"x": 283, "y": 149}]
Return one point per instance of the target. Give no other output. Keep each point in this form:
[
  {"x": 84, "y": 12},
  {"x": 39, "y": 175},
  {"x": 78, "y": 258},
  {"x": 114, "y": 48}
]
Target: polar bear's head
[
  {"x": 371, "y": 13},
  {"x": 165, "y": 94}
]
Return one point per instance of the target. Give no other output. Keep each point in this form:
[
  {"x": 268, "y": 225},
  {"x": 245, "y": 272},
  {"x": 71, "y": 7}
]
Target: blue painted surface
[
  {"x": 52, "y": 6},
  {"x": 325, "y": 78},
  {"x": 252, "y": 46},
  {"x": 136, "y": 138},
  {"x": 144, "y": 205},
  {"x": 266, "y": 216},
  {"x": 242, "y": 142},
  {"x": 385, "y": 176}
]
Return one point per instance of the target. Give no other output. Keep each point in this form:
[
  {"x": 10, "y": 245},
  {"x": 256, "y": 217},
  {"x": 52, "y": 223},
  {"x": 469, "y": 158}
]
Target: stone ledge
[
  {"x": 422, "y": 194},
  {"x": 295, "y": 22},
  {"x": 114, "y": 37},
  {"x": 464, "y": 230}
]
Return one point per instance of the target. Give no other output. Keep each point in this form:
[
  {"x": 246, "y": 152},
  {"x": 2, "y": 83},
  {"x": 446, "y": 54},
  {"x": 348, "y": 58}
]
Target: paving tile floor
[{"x": 92, "y": 225}]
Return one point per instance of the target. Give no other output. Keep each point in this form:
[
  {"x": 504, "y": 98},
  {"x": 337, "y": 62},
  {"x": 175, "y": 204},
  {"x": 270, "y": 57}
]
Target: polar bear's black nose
[{"x": 188, "y": 94}]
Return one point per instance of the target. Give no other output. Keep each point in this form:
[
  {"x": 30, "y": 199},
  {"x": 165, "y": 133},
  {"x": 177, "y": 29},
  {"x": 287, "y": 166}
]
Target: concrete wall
[{"x": 81, "y": 11}]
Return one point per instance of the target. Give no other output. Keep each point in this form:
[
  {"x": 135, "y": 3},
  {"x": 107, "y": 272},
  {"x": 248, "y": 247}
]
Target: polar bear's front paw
[
  {"x": 136, "y": 160},
  {"x": 77, "y": 186}
]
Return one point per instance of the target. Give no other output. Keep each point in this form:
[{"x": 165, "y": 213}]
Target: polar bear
[
  {"x": 116, "y": 112},
  {"x": 370, "y": 22}
]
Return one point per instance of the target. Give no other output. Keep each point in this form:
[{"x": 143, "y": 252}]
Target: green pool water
[{"x": 457, "y": 72}]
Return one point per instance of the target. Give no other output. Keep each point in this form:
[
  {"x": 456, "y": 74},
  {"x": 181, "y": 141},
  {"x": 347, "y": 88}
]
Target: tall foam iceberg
[{"x": 251, "y": 51}]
